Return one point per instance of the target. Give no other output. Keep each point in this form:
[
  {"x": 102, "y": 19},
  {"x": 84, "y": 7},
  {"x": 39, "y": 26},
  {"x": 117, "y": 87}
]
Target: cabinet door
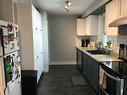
[
  {"x": 95, "y": 75},
  {"x": 92, "y": 25},
  {"x": 84, "y": 63},
  {"x": 38, "y": 45},
  {"x": 123, "y": 8},
  {"x": 86, "y": 66},
  {"x": 79, "y": 59},
  {"x": 40, "y": 52},
  {"x": 91, "y": 71},
  {"x": 34, "y": 18},
  {"x": 81, "y": 27},
  {"x": 111, "y": 14}
]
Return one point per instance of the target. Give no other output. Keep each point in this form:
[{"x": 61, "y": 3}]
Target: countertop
[{"x": 99, "y": 57}]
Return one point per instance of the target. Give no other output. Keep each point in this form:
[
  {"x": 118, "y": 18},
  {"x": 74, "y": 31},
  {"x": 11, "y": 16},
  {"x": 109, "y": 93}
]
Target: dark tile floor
[{"x": 58, "y": 82}]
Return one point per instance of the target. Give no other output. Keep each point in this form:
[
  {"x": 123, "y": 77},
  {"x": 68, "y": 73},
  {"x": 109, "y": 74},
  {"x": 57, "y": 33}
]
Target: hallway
[{"x": 58, "y": 82}]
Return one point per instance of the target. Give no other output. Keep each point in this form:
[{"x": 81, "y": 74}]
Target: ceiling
[{"x": 56, "y": 7}]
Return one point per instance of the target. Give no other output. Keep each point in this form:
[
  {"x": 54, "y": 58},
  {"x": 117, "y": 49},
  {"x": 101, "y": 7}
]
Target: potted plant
[{"x": 109, "y": 44}]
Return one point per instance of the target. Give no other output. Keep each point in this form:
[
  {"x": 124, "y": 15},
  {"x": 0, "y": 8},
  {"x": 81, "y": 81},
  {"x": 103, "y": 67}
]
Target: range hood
[{"x": 118, "y": 22}]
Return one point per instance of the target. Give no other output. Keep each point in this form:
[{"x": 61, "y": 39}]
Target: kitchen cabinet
[
  {"x": 79, "y": 59},
  {"x": 91, "y": 71},
  {"x": 81, "y": 27},
  {"x": 30, "y": 25},
  {"x": 91, "y": 24},
  {"x": 111, "y": 14},
  {"x": 87, "y": 26},
  {"x": 122, "y": 8},
  {"x": 90, "y": 68}
]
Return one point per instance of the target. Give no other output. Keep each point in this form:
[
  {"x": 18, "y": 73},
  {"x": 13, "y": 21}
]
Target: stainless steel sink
[{"x": 96, "y": 51}]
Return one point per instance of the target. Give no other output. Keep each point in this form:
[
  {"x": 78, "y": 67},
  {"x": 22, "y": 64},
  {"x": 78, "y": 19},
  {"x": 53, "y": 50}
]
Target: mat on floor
[{"x": 78, "y": 81}]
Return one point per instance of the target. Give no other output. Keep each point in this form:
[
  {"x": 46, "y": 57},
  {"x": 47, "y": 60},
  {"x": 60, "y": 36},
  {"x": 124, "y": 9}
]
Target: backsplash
[
  {"x": 122, "y": 40},
  {"x": 78, "y": 39},
  {"x": 116, "y": 41}
]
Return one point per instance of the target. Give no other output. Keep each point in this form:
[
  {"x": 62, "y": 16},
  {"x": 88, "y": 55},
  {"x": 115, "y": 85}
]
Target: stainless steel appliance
[
  {"x": 10, "y": 71},
  {"x": 113, "y": 75},
  {"x": 110, "y": 84}
]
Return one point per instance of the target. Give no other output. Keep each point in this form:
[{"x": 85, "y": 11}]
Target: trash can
[{"x": 29, "y": 82}]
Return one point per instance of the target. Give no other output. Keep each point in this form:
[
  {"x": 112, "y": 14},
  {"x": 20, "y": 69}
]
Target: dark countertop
[
  {"x": 110, "y": 63},
  {"x": 98, "y": 57},
  {"x": 116, "y": 67}
]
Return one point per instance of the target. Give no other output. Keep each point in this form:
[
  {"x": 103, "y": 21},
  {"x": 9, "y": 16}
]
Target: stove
[
  {"x": 113, "y": 78},
  {"x": 118, "y": 68}
]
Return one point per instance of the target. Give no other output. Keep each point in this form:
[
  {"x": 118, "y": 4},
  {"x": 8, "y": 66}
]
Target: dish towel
[{"x": 102, "y": 79}]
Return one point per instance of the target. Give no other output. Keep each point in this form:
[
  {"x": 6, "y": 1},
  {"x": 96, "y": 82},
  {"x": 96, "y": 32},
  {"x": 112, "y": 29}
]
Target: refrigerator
[{"x": 10, "y": 69}]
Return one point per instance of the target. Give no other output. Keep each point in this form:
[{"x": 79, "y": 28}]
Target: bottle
[
  {"x": 121, "y": 51},
  {"x": 82, "y": 43}
]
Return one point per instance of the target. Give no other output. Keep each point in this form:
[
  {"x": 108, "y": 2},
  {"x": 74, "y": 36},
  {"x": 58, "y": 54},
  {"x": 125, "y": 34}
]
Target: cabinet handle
[{"x": 37, "y": 56}]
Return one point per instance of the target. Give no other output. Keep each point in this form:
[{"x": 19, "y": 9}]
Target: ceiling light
[{"x": 67, "y": 5}]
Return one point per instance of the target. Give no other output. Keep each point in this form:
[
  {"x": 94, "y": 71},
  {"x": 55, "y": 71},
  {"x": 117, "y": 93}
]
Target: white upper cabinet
[
  {"x": 81, "y": 27},
  {"x": 87, "y": 26},
  {"x": 111, "y": 14},
  {"x": 92, "y": 25},
  {"x": 122, "y": 8}
]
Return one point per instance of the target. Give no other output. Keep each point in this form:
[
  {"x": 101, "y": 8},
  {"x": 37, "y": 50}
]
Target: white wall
[
  {"x": 62, "y": 39},
  {"x": 45, "y": 41},
  {"x": 6, "y": 12}
]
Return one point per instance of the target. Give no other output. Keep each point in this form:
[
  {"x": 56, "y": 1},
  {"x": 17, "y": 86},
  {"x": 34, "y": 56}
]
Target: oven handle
[
  {"x": 103, "y": 90},
  {"x": 112, "y": 77}
]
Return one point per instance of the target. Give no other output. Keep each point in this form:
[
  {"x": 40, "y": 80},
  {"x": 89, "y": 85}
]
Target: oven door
[{"x": 111, "y": 85}]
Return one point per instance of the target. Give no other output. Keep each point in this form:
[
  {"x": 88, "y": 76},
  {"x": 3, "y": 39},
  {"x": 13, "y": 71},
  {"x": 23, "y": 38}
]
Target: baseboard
[{"x": 63, "y": 63}]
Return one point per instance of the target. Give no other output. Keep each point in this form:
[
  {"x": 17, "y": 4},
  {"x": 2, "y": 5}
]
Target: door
[{"x": 38, "y": 46}]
